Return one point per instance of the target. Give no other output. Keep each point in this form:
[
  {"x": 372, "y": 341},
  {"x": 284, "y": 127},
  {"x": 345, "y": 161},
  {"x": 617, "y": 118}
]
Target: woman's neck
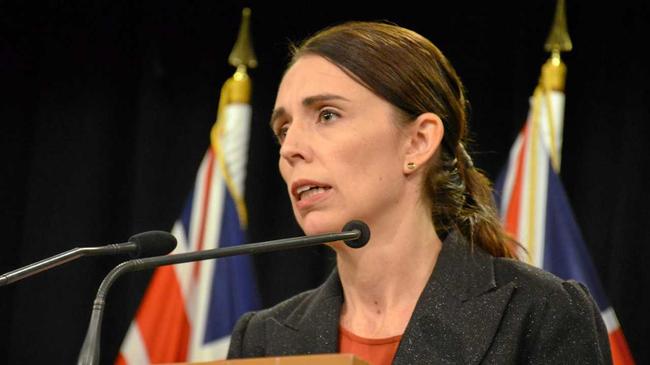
[{"x": 383, "y": 281}]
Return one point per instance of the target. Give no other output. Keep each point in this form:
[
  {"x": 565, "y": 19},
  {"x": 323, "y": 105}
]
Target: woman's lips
[
  {"x": 308, "y": 192},
  {"x": 312, "y": 196}
]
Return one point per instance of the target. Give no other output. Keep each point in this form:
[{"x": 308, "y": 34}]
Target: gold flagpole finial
[
  {"x": 554, "y": 70},
  {"x": 242, "y": 53},
  {"x": 558, "y": 39}
]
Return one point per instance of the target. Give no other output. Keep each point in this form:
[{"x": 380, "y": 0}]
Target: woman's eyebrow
[{"x": 308, "y": 101}]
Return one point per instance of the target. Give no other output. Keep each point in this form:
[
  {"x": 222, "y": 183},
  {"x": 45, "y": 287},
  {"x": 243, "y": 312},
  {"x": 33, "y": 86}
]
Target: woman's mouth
[{"x": 307, "y": 191}]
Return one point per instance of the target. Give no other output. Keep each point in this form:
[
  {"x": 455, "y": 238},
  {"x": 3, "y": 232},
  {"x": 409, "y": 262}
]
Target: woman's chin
[
  {"x": 313, "y": 225},
  {"x": 312, "y": 229}
]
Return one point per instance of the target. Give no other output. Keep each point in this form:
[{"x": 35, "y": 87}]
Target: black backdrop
[{"x": 106, "y": 108}]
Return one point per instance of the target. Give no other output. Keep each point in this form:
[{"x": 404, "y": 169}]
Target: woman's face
[{"x": 341, "y": 152}]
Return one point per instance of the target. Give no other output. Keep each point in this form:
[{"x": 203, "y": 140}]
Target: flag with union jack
[
  {"x": 536, "y": 212},
  {"x": 189, "y": 310}
]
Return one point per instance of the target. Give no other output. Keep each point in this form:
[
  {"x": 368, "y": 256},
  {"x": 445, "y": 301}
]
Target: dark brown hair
[{"x": 412, "y": 74}]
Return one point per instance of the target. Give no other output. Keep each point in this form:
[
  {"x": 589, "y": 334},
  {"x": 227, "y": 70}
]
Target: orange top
[{"x": 376, "y": 351}]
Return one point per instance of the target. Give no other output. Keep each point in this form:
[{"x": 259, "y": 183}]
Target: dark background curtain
[{"x": 106, "y": 108}]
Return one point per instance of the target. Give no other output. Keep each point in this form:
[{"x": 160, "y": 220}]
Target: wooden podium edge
[{"x": 318, "y": 359}]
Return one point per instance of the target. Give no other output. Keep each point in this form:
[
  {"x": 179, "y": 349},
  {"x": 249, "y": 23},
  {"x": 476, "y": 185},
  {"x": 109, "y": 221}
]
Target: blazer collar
[{"x": 312, "y": 327}]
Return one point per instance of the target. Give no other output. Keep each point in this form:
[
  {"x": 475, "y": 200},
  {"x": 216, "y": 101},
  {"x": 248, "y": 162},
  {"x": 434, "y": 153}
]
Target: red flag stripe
[
  {"x": 120, "y": 360},
  {"x": 164, "y": 329},
  {"x": 514, "y": 205},
  {"x": 620, "y": 352}
]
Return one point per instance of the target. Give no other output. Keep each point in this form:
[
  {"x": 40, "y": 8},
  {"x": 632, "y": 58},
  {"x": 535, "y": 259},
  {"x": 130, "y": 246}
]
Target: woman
[{"x": 372, "y": 123}]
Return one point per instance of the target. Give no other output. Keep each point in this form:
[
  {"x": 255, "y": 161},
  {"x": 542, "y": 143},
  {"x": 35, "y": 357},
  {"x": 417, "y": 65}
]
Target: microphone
[
  {"x": 355, "y": 234},
  {"x": 151, "y": 243}
]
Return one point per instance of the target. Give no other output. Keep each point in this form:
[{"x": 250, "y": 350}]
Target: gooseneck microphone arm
[
  {"x": 151, "y": 243},
  {"x": 251, "y": 248},
  {"x": 54, "y": 261},
  {"x": 355, "y": 234}
]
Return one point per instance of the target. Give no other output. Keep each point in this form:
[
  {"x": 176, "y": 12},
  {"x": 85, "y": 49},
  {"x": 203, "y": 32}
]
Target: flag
[
  {"x": 189, "y": 310},
  {"x": 535, "y": 210}
]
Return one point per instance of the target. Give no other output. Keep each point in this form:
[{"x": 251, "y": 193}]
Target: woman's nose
[{"x": 294, "y": 147}]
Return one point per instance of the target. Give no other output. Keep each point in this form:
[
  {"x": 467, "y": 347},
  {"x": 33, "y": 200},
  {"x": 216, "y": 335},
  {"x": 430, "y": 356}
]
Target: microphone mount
[{"x": 356, "y": 236}]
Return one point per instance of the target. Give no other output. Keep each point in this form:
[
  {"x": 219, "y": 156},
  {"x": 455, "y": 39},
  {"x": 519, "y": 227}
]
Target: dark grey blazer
[{"x": 475, "y": 309}]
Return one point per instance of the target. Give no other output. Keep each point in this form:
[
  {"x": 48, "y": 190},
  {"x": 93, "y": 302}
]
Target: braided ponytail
[{"x": 461, "y": 199}]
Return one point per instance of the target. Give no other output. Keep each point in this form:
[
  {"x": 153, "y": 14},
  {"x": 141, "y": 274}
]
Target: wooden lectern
[{"x": 325, "y": 359}]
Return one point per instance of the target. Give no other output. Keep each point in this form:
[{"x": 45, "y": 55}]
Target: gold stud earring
[{"x": 410, "y": 165}]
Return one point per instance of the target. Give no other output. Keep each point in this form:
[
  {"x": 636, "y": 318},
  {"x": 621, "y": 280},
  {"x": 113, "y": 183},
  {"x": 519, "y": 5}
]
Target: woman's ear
[{"x": 424, "y": 136}]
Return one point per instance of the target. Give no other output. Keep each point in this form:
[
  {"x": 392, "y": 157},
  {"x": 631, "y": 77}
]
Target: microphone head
[
  {"x": 364, "y": 235},
  {"x": 153, "y": 243}
]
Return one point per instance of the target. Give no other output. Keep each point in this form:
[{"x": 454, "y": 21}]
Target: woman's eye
[
  {"x": 327, "y": 115},
  {"x": 281, "y": 133}
]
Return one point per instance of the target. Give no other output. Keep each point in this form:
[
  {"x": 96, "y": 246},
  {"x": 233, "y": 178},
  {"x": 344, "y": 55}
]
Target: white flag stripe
[
  {"x": 133, "y": 349},
  {"x": 610, "y": 319},
  {"x": 183, "y": 271},
  {"x": 535, "y": 180},
  {"x": 216, "y": 350},
  {"x": 555, "y": 102},
  {"x": 235, "y": 146}
]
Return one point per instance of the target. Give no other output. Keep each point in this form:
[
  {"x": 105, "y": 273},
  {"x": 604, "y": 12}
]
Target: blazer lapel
[
  {"x": 312, "y": 328},
  {"x": 459, "y": 310}
]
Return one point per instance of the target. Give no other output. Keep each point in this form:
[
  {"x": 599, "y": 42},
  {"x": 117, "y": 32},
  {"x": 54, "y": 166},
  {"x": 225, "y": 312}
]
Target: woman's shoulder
[
  {"x": 540, "y": 287},
  {"x": 560, "y": 317},
  {"x": 508, "y": 269},
  {"x": 527, "y": 277},
  {"x": 530, "y": 284}
]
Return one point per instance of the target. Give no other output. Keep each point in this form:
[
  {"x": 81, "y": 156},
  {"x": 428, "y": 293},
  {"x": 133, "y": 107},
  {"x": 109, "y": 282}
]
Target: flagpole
[
  {"x": 547, "y": 119},
  {"x": 553, "y": 75},
  {"x": 236, "y": 90}
]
